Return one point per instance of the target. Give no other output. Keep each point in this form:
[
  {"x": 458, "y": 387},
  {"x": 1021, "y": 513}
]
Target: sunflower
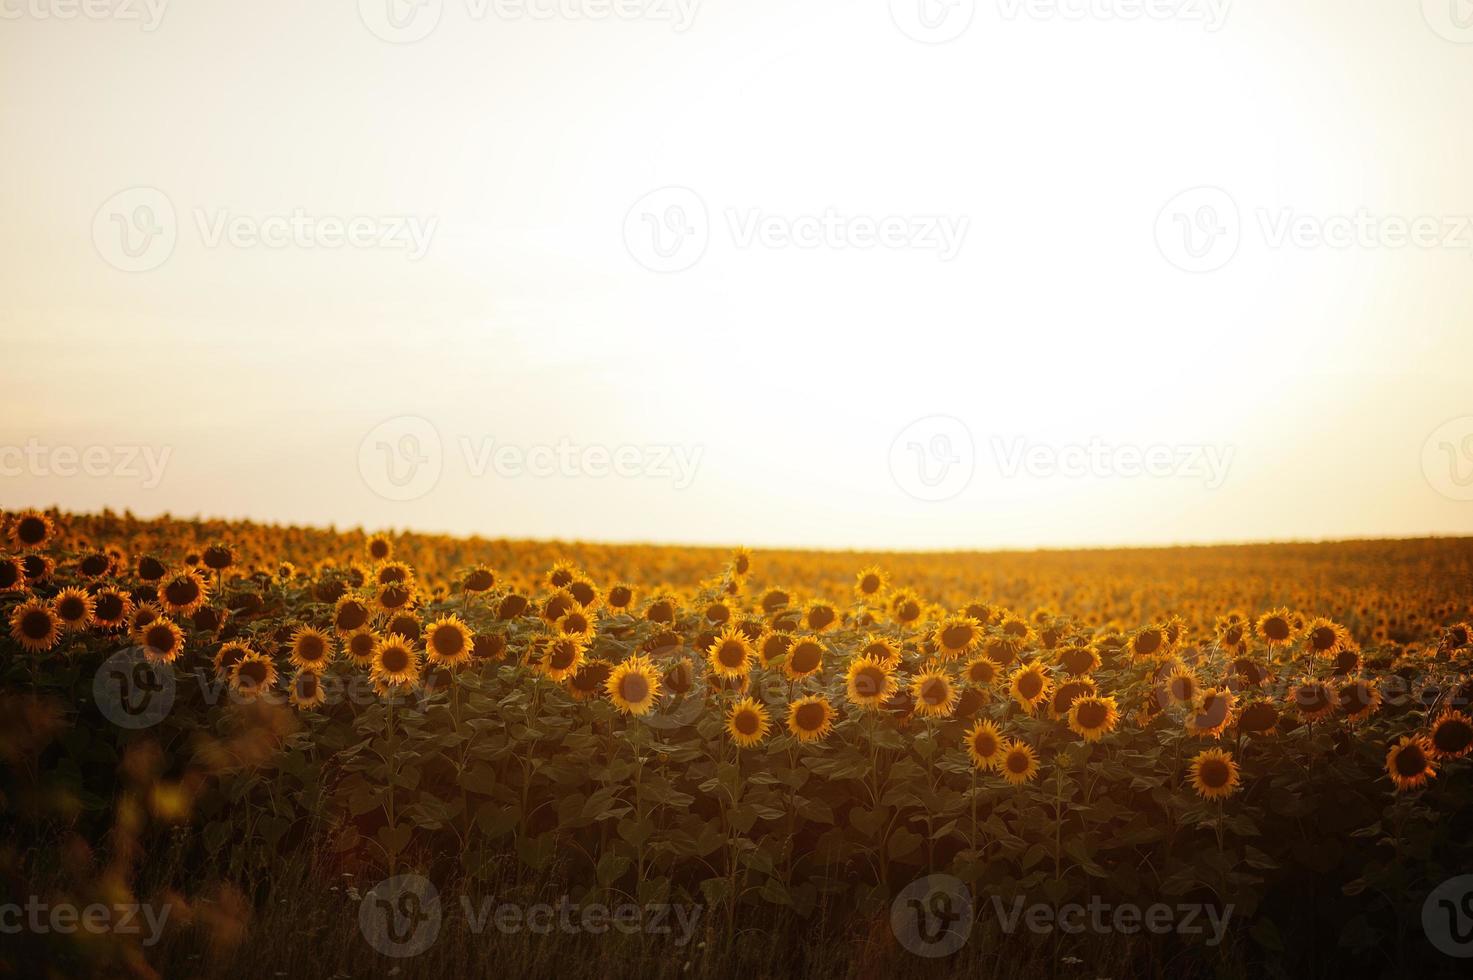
[
  {"x": 394, "y": 573},
  {"x": 1214, "y": 774},
  {"x": 380, "y": 547},
  {"x": 805, "y": 657},
  {"x": 584, "y": 592},
  {"x": 182, "y": 593},
  {"x": 162, "y": 640},
  {"x": 634, "y": 685},
  {"x": 1452, "y": 736},
  {"x": 394, "y": 596},
  {"x": 361, "y": 646},
  {"x": 810, "y": 719},
  {"x": 1409, "y": 762},
  {"x": 311, "y": 649},
  {"x": 819, "y": 616},
  {"x": 110, "y": 609},
  {"x": 1314, "y": 700},
  {"x": 1002, "y": 650},
  {"x": 730, "y": 655},
  {"x": 1092, "y": 717},
  {"x": 747, "y": 723},
  {"x": 448, "y": 642},
  {"x": 350, "y": 614},
  {"x": 512, "y": 605},
  {"x": 935, "y": 695},
  {"x": 37, "y": 568},
  {"x": 957, "y": 635},
  {"x": 905, "y": 607},
  {"x": 1324, "y": 638},
  {"x": 982, "y": 672},
  {"x": 772, "y": 645},
  {"x": 587, "y": 682},
  {"x": 228, "y": 656},
  {"x": 74, "y": 608},
  {"x": 985, "y": 745},
  {"x": 619, "y": 597},
  {"x": 1181, "y": 686},
  {"x": 1276, "y": 627},
  {"x": 741, "y": 562},
  {"x": 252, "y": 676},
  {"x": 1078, "y": 661},
  {"x": 35, "y": 626},
  {"x": 869, "y": 583},
  {"x": 1029, "y": 686},
  {"x": 561, "y": 574},
  {"x": 869, "y": 682},
  {"x": 1019, "y": 763},
  {"x": 1148, "y": 642},
  {"x": 306, "y": 690},
  {"x": 12, "y": 575},
  {"x": 680, "y": 676},
  {"x": 1249, "y": 672},
  {"x": 30, "y": 529},
  {"x": 1357, "y": 699},
  {"x": 775, "y": 600},
  {"x": 1063, "y": 697},
  {"x": 396, "y": 662},
  {"x": 406, "y": 624},
  {"x": 562, "y": 657},
  {"x": 717, "y": 613},
  {"x": 1212, "y": 713},
  {"x": 1258, "y": 718}
]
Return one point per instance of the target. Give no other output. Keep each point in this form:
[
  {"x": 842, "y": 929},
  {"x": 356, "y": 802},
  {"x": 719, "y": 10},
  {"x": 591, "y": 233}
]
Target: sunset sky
[{"x": 816, "y": 274}]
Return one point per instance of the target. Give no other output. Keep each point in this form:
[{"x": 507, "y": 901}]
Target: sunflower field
[{"x": 784, "y": 740}]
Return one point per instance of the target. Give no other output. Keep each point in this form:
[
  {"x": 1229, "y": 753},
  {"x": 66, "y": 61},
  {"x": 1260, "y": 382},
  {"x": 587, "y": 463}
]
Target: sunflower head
[
  {"x": 361, "y": 646},
  {"x": 396, "y": 662},
  {"x": 448, "y": 642},
  {"x": 1019, "y": 763},
  {"x": 1214, "y": 774},
  {"x": 35, "y": 626},
  {"x": 1029, "y": 686},
  {"x": 935, "y": 694},
  {"x": 747, "y": 723},
  {"x": 30, "y": 530},
  {"x": 805, "y": 657},
  {"x": 1409, "y": 763},
  {"x": 561, "y": 657},
  {"x": 1452, "y": 736},
  {"x": 730, "y": 655},
  {"x": 1324, "y": 638},
  {"x": 1276, "y": 627},
  {"x": 985, "y": 745},
  {"x": 350, "y": 613},
  {"x": 1357, "y": 699},
  {"x": 1092, "y": 717},
  {"x": 183, "y": 592},
  {"x": 589, "y": 679},
  {"x": 380, "y": 548},
  {"x": 869, "y": 583},
  {"x": 252, "y": 676},
  {"x": 810, "y": 718},
  {"x": 869, "y": 682},
  {"x": 162, "y": 640},
  {"x": 311, "y": 649},
  {"x": 819, "y": 616},
  {"x": 634, "y": 685},
  {"x": 307, "y": 690},
  {"x": 957, "y": 635},
  {"x": 74, "y": 608},
  {"x": 1212, "y": 713}
]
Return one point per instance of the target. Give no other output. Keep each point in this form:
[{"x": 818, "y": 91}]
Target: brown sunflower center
[
  {"x": 1092, "y": 714},
  {"x": 1411, "y": 760},
  {"x": 806, "y": 658},
  {"x": 36, "y": 625},
  {"x": 448, "y": 641},
  {"x": 634, "y": 688},
  {"x": 1214, "y": 773},
  {"x": 810, "y": 716},
  {"x": 935, "y": 691},
  {"x": 746, "y": 722},
  {"x": 394, "y": 659},
  {"x": 1452, "y": 735}
]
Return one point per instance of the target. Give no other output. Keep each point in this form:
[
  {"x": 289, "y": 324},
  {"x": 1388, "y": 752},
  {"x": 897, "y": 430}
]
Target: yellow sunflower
[
  {"x": 228, "y": 656},
  {"x": 30, "y": 529},
  {"x": 1019, "y": 763},
  {"x": 982, "y": 672},
  {"x": 252, "y": 676},
  {"x": 1214, "y": 774},
  {"x": 74, "y": 608},
  {"x": 1092, "y": 717},
  {"x": 1276, "y": 627},
  {"x": 350, "y": 613},
  {"x": 1358, "y": 699},
  {"x": 361, "y": 646},
  {"x": 1314, "y": 700},
  {"x": 634, "y": 685},
  {"x": 985, "y": 745},
  {"x": 1324, "y": 638},
  {"x": 379, "y": 547},
  {"x": 1452, "y": 736},
  {"x": 810, "y": 719},
  {"x": 589, "y": 679},
  {"x": 957, "y": 635},
  {"x": 805, "y": 657},
  {"x": 162, "y": 640},
  {"x": 396, "y": 662},
  {"x": 747, "y": 723},
  {"x": 183, "y": 592},
  {"x": 110, "y": 609},
  {"x": 620, "y": 597},
  {"x": 35, "y": 626},
  {"x": 869, "y": 682},
  {"x": 1181, "y": 686},
  {"x": 306, "y": 690},
  {"x": 730, "y": 655},
  {"x": 935, "y": 695},
  {"x": 1212, "y": 713},
  {"x": 1029, "y": 686},
  {"x": 870, "y": 583},
  {"x": 311, "y": 649},
  {"x": 561, "y": 657},
  {"x": 1409, "y": 762},
  {"x": 819, "y": 616},
  {"x": 448, "y": 642}
]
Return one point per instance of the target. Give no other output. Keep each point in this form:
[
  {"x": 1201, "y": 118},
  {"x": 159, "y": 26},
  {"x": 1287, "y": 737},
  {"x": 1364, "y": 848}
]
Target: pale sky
[{"x": 759, "y": 245}]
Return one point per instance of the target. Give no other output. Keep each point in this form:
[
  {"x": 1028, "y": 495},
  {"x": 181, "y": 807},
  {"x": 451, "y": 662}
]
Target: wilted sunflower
[
  {"x": 810, "y": 719},
  {"x": 1324, "y": 638},
  {"x": 634, "y": 685},
  {"x": 985, "y": 745},
  {"x": 1357, "y": 699},
  {"x": 361, "y": 646},
  {"x": 74, "y": 608},
  {"x": 162, "y": 640},
  {"x": 35, "y": 626},
  {"x": 182, "y": 593},
  {"x": 869, "y": 583},
  {"x": 396, "y": 662},
  {"x": 935, "y": 695},
  {"x": 448, "y": 642},
  {"x": 805, "y": 657},
  {"x": 252, "y": 676},
  {"x": 1212, "y": 713},
  {"x": 747, "y": 723},
  {"x": 1214, "y": 774},
  {"x": 306, "y": 690},
  {"x": 1276, "y": 627},
  {"x": 562, "y": 657},
  {"x": 869, "y": 682},
  {"x": 1409, "y": 762},
  {"x": 311, "y": 649},
  {"x": 30, "y": 529},
  {"x": 1452, "y": 736},
  {"x": 1314, "y": 700},
  {"x": 350, "y": 613},
  {"x": 1019, "y": 763},
  {"x": 1029, "y": 686},
  {"x": 957, "y": 635},
  {"x": 588, "y": 681},
  {"x": 110, "y": 609},
  {"x": 730, "y": 655},
  {"x": 1092, "y": 717}
]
